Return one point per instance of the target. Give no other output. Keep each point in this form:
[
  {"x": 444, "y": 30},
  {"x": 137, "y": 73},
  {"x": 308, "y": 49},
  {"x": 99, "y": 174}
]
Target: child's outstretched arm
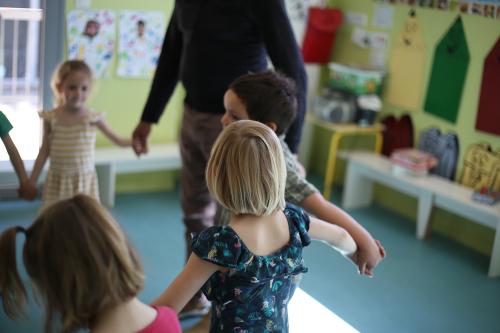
[
  {"x": 43, "y": 154},
  {"x": 334, "y": 235},
  {"x": 370, "y": 252},
  {"x": 187, "y": 283},
  {"x": 15, "y": 158},
  {"x": 111, "y": 135}
]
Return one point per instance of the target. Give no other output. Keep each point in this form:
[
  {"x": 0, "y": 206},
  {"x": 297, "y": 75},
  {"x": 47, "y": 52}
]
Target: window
[{"x": 20, "y": 84}]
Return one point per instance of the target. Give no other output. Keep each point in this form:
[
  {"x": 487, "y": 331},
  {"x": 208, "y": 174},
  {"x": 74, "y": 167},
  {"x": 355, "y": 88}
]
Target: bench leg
[
  {"x": 357, "y": 189},
  {"x": 494, "y": 270},
  {"x": 424, "y": 214},
  {"x": 107, "y": 180}
]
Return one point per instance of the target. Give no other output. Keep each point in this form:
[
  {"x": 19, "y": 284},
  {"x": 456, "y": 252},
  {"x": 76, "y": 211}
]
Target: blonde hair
[
  {"x": 246, "y": 172},
  {"x": 62, "y": 71},
  {"x": 78, "y": 259}
]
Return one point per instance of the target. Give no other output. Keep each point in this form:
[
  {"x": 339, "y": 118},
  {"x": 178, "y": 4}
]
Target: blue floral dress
[{"x": 252, "y": 297}]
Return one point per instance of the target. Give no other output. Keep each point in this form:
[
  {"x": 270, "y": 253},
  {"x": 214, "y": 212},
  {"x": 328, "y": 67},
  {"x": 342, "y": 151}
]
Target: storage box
[
  {"x": 412, "y": 162},
  {"x": 356, "y": 80}
]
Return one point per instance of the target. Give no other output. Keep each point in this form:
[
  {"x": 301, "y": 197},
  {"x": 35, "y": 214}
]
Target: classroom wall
[
  {"x": 122, "y": 101},
  {"x": 481, "y": 34}
]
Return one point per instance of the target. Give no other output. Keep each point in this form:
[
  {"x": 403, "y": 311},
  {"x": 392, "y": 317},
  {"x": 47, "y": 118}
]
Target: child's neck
[
  {"x": 72, "y": 110},
  {"x": 262, "y": 235},
  {"x": 130, "y": 316},
  {"x": 244, "y": 218}
]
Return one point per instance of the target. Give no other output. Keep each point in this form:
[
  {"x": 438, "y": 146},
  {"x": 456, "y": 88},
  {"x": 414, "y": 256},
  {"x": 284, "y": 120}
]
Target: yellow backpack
[{"x": 481, "y": 167}]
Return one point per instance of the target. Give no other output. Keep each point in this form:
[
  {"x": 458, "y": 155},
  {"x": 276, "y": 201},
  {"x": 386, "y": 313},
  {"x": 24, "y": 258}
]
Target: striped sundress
[{"x": 71, "y": 153}]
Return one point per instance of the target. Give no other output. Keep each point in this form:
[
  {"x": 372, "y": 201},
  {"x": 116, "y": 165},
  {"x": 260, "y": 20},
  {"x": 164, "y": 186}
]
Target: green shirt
[
  {"x": 5, "y": 125},
  {"x": 297, "y": 187}
]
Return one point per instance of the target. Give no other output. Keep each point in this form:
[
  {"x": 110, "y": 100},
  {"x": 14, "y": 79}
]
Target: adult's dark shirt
[{"x": 209, "y": 43}]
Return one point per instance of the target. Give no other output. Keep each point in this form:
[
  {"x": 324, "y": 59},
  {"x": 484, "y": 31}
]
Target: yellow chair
[{"x": 340, "y": 131}]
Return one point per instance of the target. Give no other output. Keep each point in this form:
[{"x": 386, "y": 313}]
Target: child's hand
[
  {"x": 140, "y": 138},
  {"x": 362, "y": 266},
  {"x": 381, "y": 249},
  {"x": 27, "y": 191},
  {"x": 368, "y": 258}
]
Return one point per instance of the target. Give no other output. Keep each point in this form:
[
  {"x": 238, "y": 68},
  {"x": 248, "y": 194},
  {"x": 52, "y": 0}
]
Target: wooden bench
[
  {"x": 431, "y": 191},
  {"x": 109, "y": 162}
]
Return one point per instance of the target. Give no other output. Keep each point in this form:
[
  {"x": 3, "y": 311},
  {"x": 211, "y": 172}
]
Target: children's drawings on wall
[
  {"x": 382, "y": 17},
  {"x": 449, "y": 69},
  {"x": 356, "y": 18},
  {"x": 91, "y": 37},
  {"x": 297, "y": 13},
  {"x": 485, "y": 8},
  {"x": 488, "y": 114},
  {"x": 407, "y": 66},
  {"x": 369, "y": 39},
  {"x": 140, "y": 41}
]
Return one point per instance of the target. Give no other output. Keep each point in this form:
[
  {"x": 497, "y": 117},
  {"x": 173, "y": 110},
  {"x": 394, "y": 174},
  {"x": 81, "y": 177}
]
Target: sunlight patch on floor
[{"x": 305, "y": 314}]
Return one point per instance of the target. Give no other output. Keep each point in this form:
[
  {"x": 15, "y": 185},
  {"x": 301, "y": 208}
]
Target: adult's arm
[
  {"x": 166, "y": 74},
  {"x": 282, "y": 48}
]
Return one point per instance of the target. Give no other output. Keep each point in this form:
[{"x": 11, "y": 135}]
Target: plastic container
[
  {"x": 412, "y": 162},
  {"x": 356, "y": 80}
]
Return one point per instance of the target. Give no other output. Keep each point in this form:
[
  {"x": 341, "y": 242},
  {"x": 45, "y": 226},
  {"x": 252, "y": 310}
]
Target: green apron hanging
[
  {"x": 447, "y": 79},
  {"x": 407, "y": 66}
]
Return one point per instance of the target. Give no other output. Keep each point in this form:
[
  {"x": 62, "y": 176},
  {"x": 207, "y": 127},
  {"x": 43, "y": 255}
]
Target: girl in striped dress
[{"x": 69, "y": 137}]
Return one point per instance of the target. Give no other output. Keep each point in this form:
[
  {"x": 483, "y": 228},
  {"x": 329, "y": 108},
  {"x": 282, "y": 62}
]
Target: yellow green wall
[
  {"x": 122, "y": 101},
  {"x": 481, "y": 34}
]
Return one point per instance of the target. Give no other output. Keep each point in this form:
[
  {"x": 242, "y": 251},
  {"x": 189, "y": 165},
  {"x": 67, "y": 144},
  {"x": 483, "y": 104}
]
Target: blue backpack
[{"x": 444, "y": 147}]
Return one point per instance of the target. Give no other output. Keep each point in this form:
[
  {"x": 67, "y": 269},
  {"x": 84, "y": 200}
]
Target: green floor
[{"x": 423, "y": 286}]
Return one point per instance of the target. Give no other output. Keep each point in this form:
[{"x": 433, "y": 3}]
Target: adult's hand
[{"x": 140, "y": 138}]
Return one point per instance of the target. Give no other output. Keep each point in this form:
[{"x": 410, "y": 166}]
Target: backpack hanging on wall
[
  {"x": 322, "y": 24},
  {"x": 398, "y": 133},
  {"x": 481, "y": 167},
  {"x": 444, "y": 147}
]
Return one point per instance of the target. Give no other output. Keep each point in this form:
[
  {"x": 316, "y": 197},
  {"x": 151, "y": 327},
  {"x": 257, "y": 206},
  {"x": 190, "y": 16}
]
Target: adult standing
[{"x": 207, "y": 45}]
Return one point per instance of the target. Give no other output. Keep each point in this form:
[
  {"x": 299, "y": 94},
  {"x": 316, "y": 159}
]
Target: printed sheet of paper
[
  {"x": 140, "y": 40},
  {"x": 356, "y": 18},
  {"x": 488, "y": 114},
  {"x": 448, "y": 73},
  {"x": 91, "y": 37},
  {"x": 297, "y": 13},
  {"x": 406, "y": 67},
  {"x": 382, "y": 16}
]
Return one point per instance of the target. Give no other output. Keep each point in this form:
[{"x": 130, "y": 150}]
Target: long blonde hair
[
  {"x": 61, "y": 73},
  {"x": 246, "y": 171},
  {"x": 79, "y": 260}
]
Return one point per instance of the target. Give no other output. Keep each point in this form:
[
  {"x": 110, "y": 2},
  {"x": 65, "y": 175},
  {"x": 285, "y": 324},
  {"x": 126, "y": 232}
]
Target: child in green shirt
[{"x": 270, "y": 98}]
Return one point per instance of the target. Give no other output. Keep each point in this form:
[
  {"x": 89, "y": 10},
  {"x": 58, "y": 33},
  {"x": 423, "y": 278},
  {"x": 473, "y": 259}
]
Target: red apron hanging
[
  {"x": 488, "y": 114},
  {"x": 322, "y": 24}
]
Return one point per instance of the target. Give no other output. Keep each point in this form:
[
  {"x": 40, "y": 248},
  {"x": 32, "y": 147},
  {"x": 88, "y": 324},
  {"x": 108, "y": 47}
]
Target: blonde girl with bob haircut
[
  {"x": 249, "y": 269},
  {"x": 240, "y": 184},
  {"x": 69, "y": 135},
  {"x": 84, "y": 270}
]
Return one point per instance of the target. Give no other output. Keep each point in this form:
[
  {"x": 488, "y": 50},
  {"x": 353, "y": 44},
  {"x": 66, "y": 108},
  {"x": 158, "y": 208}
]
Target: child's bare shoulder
[
  {"x": 94, "y": 116},
  {"x": 47, "y": 114}
]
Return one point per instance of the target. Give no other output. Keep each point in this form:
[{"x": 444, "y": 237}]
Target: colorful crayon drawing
[
  {"x": 140, "y": 41},
  {"x": 91, "y": 37}
]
